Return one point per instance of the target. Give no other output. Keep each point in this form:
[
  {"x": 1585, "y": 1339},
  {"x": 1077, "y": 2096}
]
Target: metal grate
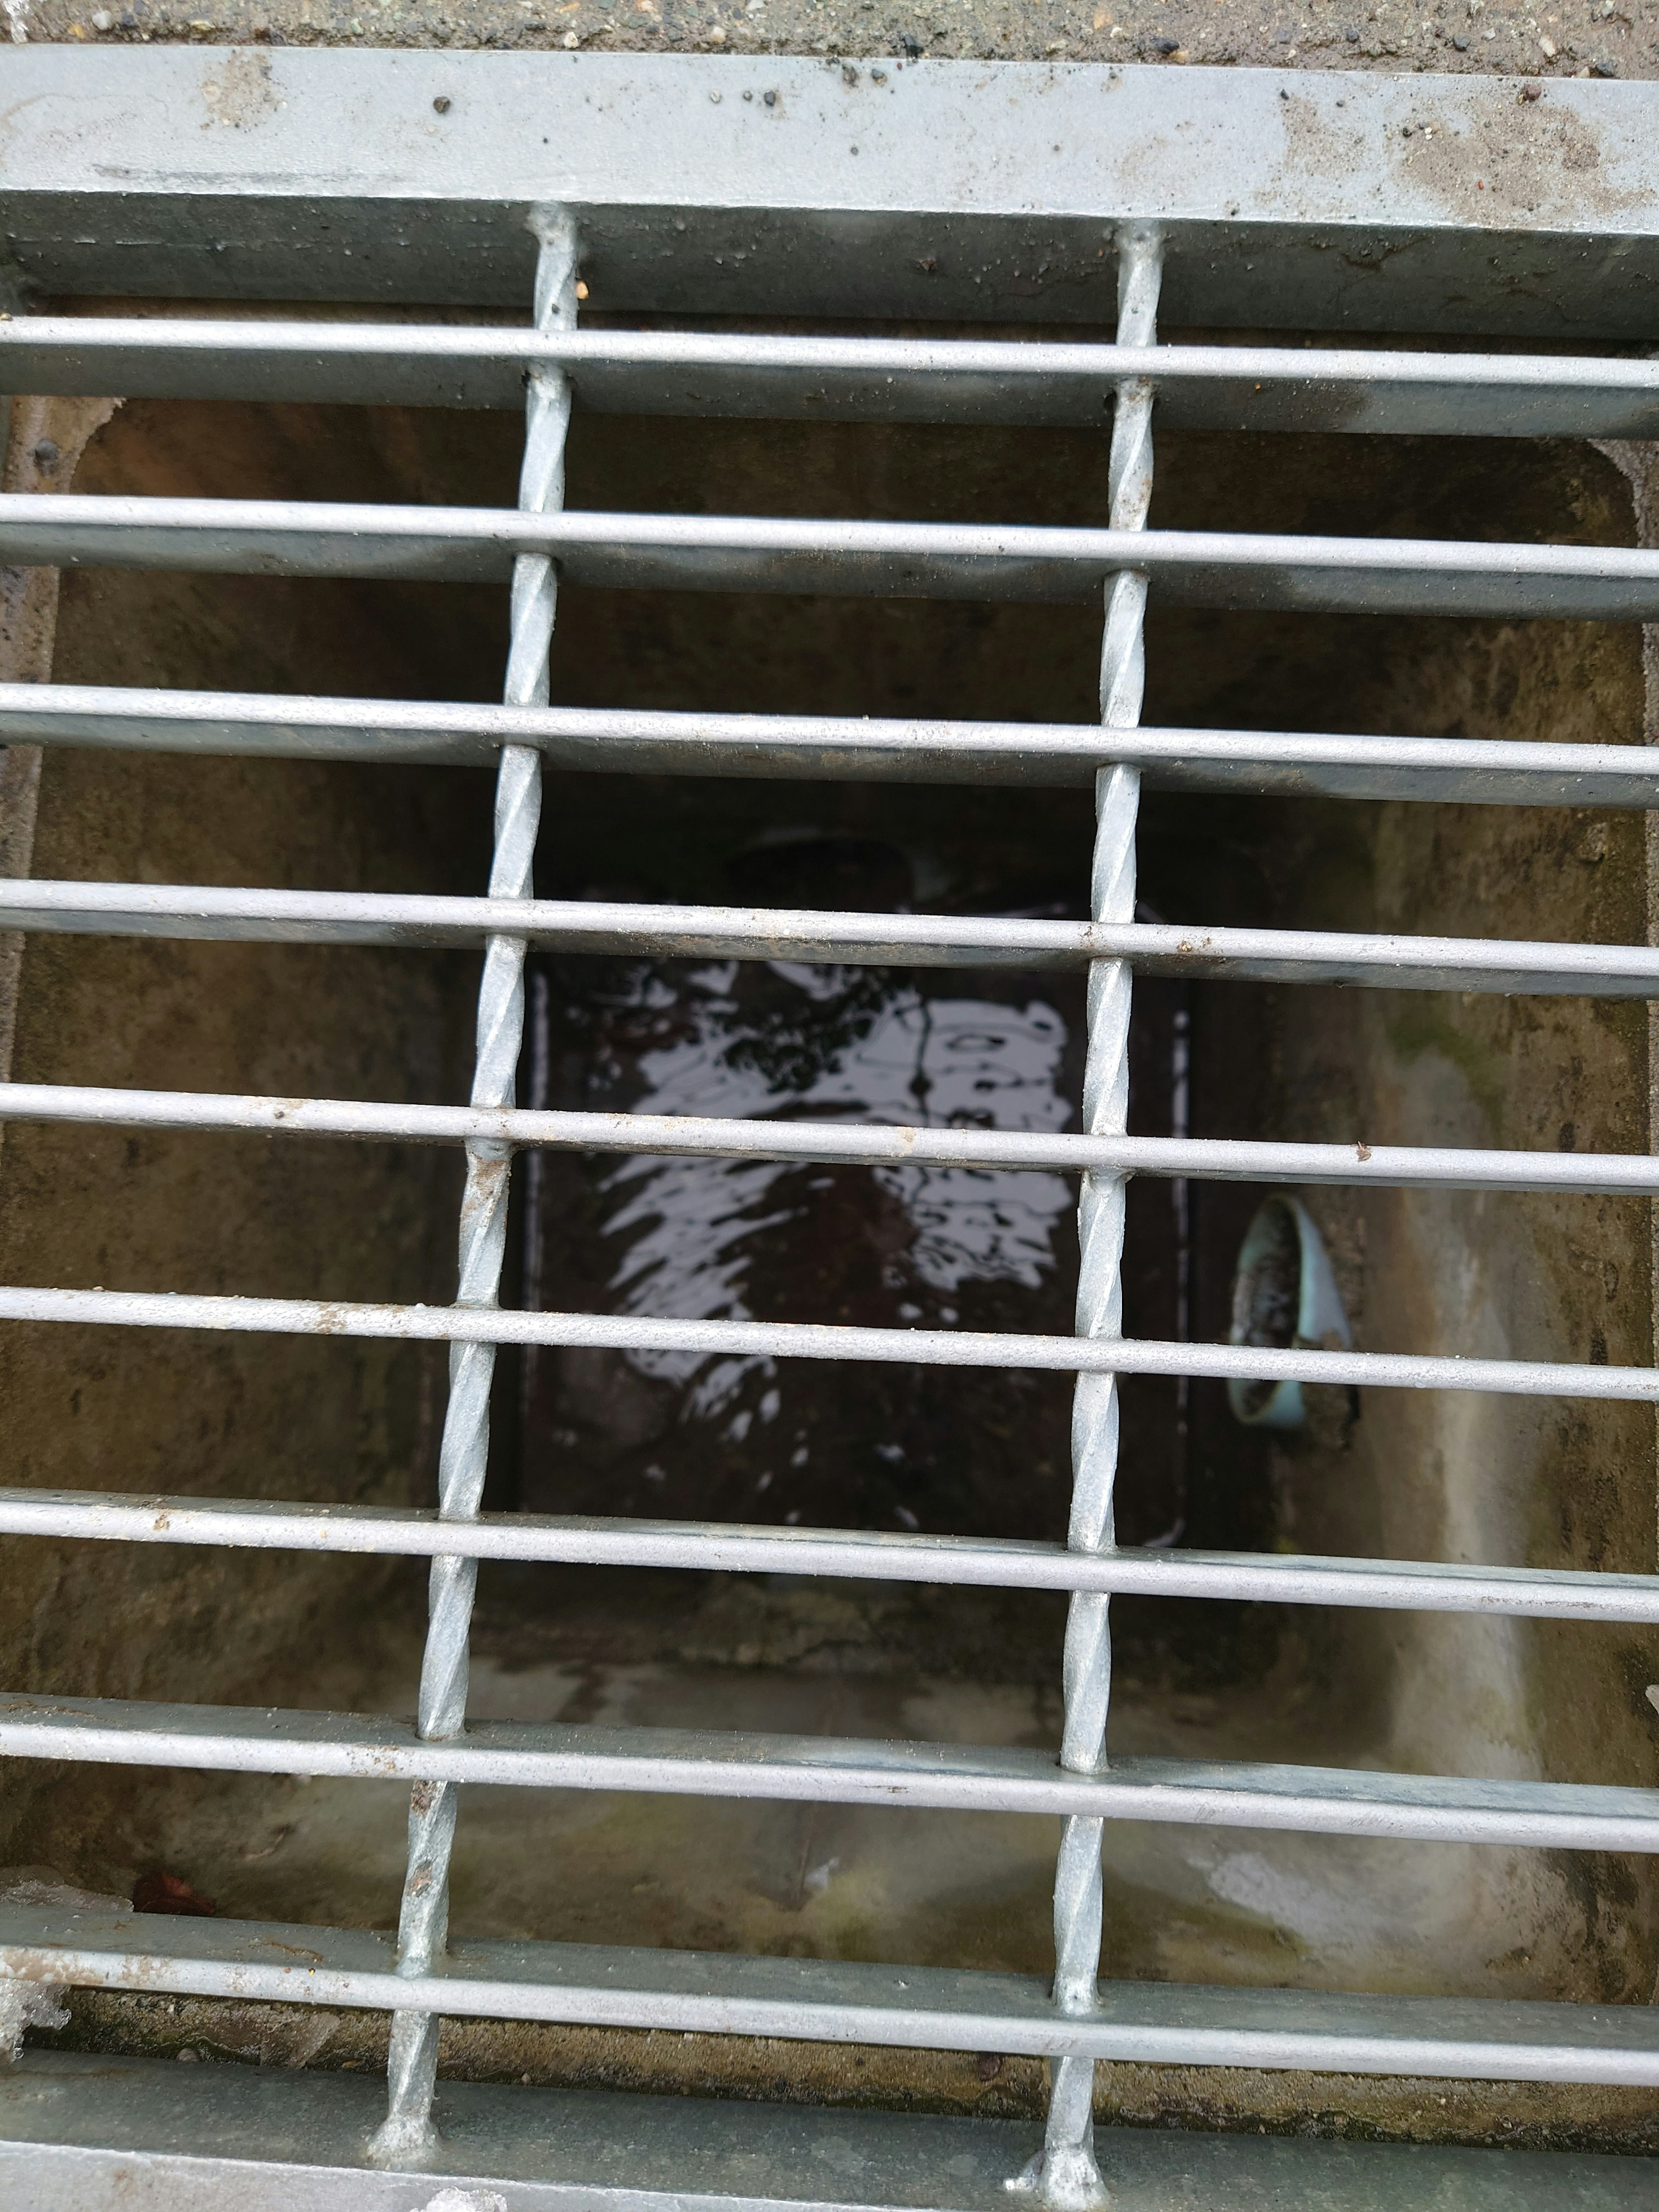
[{"x": 1078, "y": 2023}]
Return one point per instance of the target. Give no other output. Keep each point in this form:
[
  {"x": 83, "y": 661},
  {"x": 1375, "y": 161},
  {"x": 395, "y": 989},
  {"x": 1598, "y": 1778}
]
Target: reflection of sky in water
[{"x": 691, "y": 1228}]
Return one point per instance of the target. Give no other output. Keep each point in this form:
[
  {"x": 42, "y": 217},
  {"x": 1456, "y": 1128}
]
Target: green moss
[{"x": 1424, "y": 1024}]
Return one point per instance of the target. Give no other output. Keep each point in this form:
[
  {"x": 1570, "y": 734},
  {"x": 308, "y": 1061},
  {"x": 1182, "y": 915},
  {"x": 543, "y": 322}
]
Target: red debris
[{"x": 168, "y": 1892}]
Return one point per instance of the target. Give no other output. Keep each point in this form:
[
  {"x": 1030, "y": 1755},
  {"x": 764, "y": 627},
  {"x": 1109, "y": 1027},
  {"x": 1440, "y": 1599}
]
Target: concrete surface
[{"x": 1608, "y": 38}]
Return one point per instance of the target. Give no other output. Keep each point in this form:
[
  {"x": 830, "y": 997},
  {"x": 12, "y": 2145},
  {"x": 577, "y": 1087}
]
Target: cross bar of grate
[
  {"x": 697, "y": 372},
  {"x": 1204, "y": 1159},
  {"x": 686, "y": 1992},
  {"x": 922, "y": 1347},
  {"x": 738, "y": 1764},
  {"x": 206, "y": 912},
  {"x": 629, "y": 740},
  {"x": 732, "y": 1547},
  {"x": 903, "y": 560}
]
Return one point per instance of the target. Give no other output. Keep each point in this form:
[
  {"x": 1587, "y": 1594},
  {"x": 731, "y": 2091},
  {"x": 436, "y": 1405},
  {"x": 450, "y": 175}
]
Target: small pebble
[{"x": 103, "y": 21}]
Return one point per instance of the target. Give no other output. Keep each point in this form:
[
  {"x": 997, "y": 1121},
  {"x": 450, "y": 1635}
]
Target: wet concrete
[{"x": 836, "y": 1882}]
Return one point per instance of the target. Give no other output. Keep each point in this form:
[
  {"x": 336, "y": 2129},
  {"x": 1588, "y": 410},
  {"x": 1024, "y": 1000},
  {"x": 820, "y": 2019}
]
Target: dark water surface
[
  {"x": 889, "y": 1447},
  {"x": 883, "y": 1447}
]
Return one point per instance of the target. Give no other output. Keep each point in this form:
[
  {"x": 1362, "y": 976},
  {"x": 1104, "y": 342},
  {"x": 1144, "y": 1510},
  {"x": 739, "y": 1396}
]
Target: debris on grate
[
  {"x": 40, "y": 2004},
  {"x": 28, "y": 2004},
  {"x": 43, "y": 1889}
]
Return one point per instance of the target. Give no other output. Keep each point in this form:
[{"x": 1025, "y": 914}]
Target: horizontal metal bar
[
  {"x": 638, "y": 741},
  {"x": 901, "y": 560},
  {"x": 834, "y": 1770},
  {"x": 725, "y": 1547},
  {"x": 833, "y": 2001},
  {"x": 958, "y": 190},
  {"x": 75, "y": 2128},
  {"x": 679, "y": 373},
  {"x": 1206, "y": 1159},
  {"x": 922, "y": 1347},
  {"x": 1271, "y": 956}
]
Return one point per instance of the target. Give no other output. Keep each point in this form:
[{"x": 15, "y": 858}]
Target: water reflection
[
  {"x": 647, "y": 1431},
  {"x": 950, "y": 1063}
]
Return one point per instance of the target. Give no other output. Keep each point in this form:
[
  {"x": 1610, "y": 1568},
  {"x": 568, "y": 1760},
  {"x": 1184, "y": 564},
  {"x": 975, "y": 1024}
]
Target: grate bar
[
  {"x": 1065, "y": 2174},
  {"x": 1158, "y": 2023},
  {"x": 736, "y": 1764},
  {"x": 1037, "y": 382},
  {"x": 423, "y": 1922},
  {"x": 900, "y": 379},
  {"x": 904, "y": 560},
  {"x": 922, "y": 1347},
  {"x": 199, "y": 911},
  {"x": 997, "y": 1562},
  {"x": 632, "y": 741},
  {"x": 1208, "y": 1159},
  {"x": 976, "y": 192},
  {"x": 74, "y": 2128}
]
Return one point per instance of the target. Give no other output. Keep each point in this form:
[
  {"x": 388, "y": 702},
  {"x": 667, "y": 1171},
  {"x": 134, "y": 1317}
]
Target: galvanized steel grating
[{"x": 1157, "y": 242}]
